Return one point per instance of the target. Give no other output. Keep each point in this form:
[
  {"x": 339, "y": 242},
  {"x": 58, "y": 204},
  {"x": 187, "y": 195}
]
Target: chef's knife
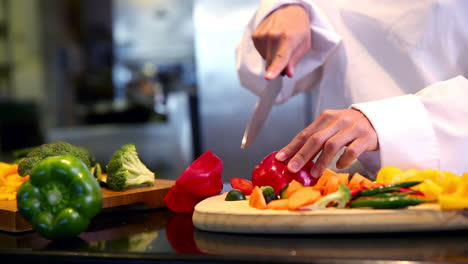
[{"x": 262, "y": 109}]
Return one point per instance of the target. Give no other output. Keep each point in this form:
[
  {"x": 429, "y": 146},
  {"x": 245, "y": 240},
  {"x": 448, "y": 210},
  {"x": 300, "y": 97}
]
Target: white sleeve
[
  {"x": 251, "y": 66},
  {"x": 425, "y": 130}
]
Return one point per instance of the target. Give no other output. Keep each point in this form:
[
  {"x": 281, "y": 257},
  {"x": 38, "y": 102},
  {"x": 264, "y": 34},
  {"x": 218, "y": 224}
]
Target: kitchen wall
[
  {"x": 202, "y": 32},
  {"x": 225, "y": 106}
]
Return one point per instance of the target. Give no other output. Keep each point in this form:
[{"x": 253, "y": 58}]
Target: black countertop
[{"x": 132, "y": 235}]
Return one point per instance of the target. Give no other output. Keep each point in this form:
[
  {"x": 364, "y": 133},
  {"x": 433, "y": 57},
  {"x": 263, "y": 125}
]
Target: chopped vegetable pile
[
  {"x": 393, "y": 189},
  {"x": 57, "y": 185},
  {"x": 449, "y": 189}
]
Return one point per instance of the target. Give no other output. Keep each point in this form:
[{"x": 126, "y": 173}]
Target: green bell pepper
[{"x": 60, "y": 197}]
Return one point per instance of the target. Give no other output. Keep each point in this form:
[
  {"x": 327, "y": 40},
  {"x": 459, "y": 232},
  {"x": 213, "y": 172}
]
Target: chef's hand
[
  {"x": 282, "y": 39},
  {"x": 331, "y": 131}
]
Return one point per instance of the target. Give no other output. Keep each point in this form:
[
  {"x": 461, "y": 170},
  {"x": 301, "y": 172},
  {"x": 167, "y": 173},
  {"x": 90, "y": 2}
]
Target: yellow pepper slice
[
  {"x": 452, "y": 202},
  {"x": 386, "y": 174}
]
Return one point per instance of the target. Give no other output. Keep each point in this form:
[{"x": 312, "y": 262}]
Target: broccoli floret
[
  {"x": 125, "y": 169},
  {"x": 54, "y": 149},
  {"x": 340, "y": 198}
]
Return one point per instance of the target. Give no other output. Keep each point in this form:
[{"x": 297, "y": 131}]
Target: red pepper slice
[
  {"x": 202, "y": 179},
  {"x": 244, "y": 185},
  {"x": 355, "y": 192},
  {"x": 180, "y": 200},
  {"x": 274, "y": 173}
]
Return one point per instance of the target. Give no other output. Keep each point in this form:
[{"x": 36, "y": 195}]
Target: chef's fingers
[
  {"x": 297, "y": 54},
  {"x": 312, "y": 147},
  {"x": 278, "y": 55},
  {"x": 366, "y": 141},
  {"x": 352, "y": 152},
  {"x": 300, "y": 139},
  {"x": 331, "y": 148},
  {"x": 260, "y": 45}
]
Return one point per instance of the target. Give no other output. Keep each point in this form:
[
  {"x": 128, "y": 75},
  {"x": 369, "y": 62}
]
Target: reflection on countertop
[
  {"x": 436, "y": 246},
  {"x": 131, "y": 234},
  {"x": 123, "y": 229}
]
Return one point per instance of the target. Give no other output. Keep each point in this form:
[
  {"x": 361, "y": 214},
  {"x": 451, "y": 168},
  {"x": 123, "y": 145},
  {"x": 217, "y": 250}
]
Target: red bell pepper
[
  {"x": 244, "y": 185},
  {"x": 200, "y": 180},
  {"x": 275, "y": 173}
]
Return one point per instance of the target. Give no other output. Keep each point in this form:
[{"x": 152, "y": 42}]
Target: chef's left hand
[{"x": 331, "y": 131}]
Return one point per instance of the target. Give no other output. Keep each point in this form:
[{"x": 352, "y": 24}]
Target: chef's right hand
[{"x": 282, "y": 39}]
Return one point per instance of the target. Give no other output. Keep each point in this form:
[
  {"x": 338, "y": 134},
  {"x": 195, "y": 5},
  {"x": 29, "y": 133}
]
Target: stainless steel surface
[{"x": 261, "y": 111}]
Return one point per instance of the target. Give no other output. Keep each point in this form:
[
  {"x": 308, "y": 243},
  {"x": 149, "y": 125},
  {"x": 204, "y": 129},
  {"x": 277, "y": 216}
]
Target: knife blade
[{"x": 261, "y": 111}]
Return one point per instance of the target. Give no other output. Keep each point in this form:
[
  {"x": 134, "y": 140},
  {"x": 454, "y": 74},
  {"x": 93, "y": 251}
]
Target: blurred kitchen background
[{"x": 157, "y": 73}]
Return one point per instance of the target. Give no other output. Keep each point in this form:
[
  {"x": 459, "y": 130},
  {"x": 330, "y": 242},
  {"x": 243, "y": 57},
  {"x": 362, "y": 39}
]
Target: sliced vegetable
[
  {"x": 452, "y": 202},
  {"x": 392, "y": 194},
  {"x": 340, "y": 199},
  {"x": 343, "y": 178},
  {"x": 303, "y": 197},
  {"x": 10, "y": 181},
  {"x": 280, "y": 204},
  {"x": 386, "y": 174},
  {"x": 180, "y": 200},
  {"x": 388, "y": 203},
  {"x": 387, "y": 188},
  {"x": 283, "y": 192},
  {"x": 293, "y": 186},
  {"x": 200, "y": 180},
  {"x": 322, "y": 181},
  {"x": 257, "y": 200},
  {"x": 268, "y": 193},
  {"x": 235, "y": 195},
  {"x": 457, "y": 199},
  {"x": 242, "y": 184},
  {"x": 332, "y": 185},
  {"x": 274, "y": 173},
  {"x": 360, "y": 182}
]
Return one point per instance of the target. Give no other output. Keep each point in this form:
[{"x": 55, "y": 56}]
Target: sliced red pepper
[
  {"x": 274, "y": 173},
  {"x": 244, "y": 185},
  {"x": 405, "y": 190},
  {"x": 180, "y": 200},
  {"x": 355, "y": 192},
  {"x": 202, "y": 179}
]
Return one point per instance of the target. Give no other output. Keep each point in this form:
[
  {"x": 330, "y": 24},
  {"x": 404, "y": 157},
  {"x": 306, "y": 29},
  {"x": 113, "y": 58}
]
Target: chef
[{"x": 389, "y": 76}]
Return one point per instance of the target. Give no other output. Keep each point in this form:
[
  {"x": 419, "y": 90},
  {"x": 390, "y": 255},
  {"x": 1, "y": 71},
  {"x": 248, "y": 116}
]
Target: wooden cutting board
[
  {"x": 151, "y": 196},
  {"x": 215, "y": 214}
]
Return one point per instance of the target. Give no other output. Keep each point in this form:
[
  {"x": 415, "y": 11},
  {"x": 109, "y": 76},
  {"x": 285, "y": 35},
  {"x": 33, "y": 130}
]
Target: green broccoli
[
  {"x": 339, "y": 198},
  {"x": 125, "y": 169},
  {"x": 54, "y": 149}
]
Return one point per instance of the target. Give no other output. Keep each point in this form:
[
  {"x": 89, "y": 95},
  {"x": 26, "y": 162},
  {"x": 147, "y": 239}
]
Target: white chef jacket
[{"x": 399, "y": 62}]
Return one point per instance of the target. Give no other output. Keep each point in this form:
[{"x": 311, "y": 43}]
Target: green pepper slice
[
  {"x": 396, "y": 202},
  {"x": 387, "y": 188},
  {"x": 60, "y": 197}
]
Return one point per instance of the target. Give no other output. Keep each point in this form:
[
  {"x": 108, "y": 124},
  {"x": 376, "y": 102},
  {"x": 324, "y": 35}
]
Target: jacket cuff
[{"x": 405, "y": 133}]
